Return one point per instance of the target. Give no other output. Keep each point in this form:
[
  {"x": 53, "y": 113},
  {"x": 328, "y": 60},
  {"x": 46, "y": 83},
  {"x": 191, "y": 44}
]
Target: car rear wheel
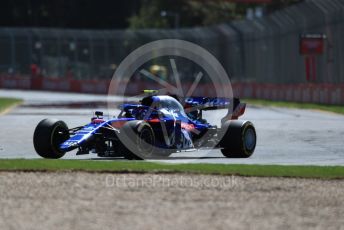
[
  {"x": 239, "y": 139},
  {"x": 48, "y": 136}
]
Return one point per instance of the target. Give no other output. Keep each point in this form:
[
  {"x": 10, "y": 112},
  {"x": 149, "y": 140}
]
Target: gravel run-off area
[{"x": 80, "y": 200}]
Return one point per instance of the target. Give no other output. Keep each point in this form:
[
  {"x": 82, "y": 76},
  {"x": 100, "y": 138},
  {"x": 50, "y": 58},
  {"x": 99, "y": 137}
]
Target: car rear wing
[{"x": 234, "y": 106}]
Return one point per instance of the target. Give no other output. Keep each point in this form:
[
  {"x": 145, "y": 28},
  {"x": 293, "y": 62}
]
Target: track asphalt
[{"x": 285, "y": 136}]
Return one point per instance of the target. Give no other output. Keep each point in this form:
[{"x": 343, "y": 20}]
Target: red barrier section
[
  {"x": 36, "y": 83},
  {"x": 56, "y": 84},
  {"x": 75, "y": 86},
  {"x": 308, "y": 92},
  {"x": 15, "y": 82},
  {"x": 94, "y": 86}
]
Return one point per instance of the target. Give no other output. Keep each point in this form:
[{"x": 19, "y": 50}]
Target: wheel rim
[
  {"x": 250, "y": 139},
  {"x": 58, "y": 136}
]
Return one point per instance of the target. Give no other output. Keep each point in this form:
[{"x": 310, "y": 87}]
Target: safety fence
[{"x": 262, "y": 56}]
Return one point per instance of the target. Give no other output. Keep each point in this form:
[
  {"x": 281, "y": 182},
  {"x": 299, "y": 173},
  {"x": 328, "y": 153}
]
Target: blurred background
[{"x": 280, "y": 50}]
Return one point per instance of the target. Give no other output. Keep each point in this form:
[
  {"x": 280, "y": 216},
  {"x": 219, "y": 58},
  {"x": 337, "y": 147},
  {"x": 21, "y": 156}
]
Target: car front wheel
[{"x": 48, "y": 136}]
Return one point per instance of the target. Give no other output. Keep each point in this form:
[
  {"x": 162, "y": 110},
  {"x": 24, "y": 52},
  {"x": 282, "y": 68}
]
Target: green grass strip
[
  {"x": 115, "y": 166},
  {"x": 6, "y": 103},
  {"x": 329, "y": 108}
]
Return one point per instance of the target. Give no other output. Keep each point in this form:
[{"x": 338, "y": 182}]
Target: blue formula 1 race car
[{"x": 154, "y": 128}]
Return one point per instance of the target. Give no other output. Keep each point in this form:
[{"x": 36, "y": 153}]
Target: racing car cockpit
[
  {"x": 170, "y": 106},
  {"x": 154, "y": 107}
]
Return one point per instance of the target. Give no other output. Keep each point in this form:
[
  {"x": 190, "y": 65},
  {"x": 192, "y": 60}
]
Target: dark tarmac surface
[{"x": 285, "y": 136}]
